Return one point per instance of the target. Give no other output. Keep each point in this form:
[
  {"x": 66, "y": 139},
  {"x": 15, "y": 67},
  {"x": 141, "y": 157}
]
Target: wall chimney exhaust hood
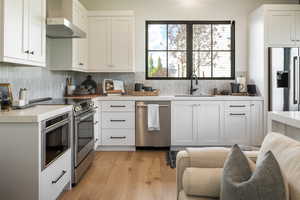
[
  {"x": 60, "y": 20},
  {"x": 63, "y": 28}
]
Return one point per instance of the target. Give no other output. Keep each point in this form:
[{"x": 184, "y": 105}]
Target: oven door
[
  {"x": 56, "y": 133},
  {"x": 84, "y": 136}
]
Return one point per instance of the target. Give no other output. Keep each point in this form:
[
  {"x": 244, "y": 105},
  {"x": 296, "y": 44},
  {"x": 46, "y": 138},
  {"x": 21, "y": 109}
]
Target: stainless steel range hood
[{"x": 63, "y": 28}]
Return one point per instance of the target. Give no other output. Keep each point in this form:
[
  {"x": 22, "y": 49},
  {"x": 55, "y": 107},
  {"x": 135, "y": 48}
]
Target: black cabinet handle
[
  {"x": 27, "y": 51},
  {"x": 118, "y": 137},
  {"x": 32, "y": 52},
  {"x": 237, "y": 106},
  {"x": 81, "y": 64},
  {"x": 96, "y": 122},
  {"x": 118, "y": 120},
  {"x": 116, "y": 106},
  {"x": 62, "y": 174},
  {"x": 237, "y": 114}
]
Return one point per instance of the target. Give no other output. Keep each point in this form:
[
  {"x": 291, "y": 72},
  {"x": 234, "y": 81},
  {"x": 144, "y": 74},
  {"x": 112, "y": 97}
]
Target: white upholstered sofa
[{"x": 199, "y": 170}]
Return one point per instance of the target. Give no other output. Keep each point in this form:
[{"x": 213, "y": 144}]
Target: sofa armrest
[
  {"x": 252, "y": 155},
  {"x": 212, "y": 157}
]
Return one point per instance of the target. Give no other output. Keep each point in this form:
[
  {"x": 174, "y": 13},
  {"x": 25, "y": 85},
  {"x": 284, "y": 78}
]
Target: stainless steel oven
[
  {"x": 83, "y": 143},
  {"x": 56, "y": 138}
]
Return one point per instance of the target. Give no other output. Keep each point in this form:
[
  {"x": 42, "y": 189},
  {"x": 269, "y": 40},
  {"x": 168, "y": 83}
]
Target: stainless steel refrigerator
[{"x": 284, "y": 79}]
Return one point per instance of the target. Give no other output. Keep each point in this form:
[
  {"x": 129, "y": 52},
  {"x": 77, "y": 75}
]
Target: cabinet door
[
  {"x": 210, "y": 122},
  {"x": 99, "y": 44},
  {"x": 122, "y": 44},
  {"x": 37, "y": 31},
  {"x": 297, "y": 34},
  {"x": 256, "y": 123},
  {"x": 281, "y": 28},
  {"x": 183, "y": 124},
  {"x": 237, "y": 128},
  {"x": 15, "y": 28}
]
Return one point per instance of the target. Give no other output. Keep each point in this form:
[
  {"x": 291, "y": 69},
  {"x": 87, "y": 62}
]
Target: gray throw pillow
[{"x": 239, "y": 183}]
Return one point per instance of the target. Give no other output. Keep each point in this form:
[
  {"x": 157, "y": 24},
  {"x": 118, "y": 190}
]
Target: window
[{"x": 178, "y": 49}]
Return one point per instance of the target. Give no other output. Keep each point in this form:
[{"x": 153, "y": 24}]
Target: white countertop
[
  {"x": 34, "y": 114},
  {"x": 291, "y": 118},
  {"x": 176, "y": 98}
]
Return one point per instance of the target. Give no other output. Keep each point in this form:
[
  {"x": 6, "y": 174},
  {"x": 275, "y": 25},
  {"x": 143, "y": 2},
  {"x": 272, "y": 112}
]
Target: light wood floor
[{"x": 141, "y": 175}]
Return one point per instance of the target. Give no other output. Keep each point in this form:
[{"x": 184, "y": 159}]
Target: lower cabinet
[
  {"x": 205, "y": 123},
  {"x": 183, "y": 123},
  {"x": 117, "y": 125},
  {"x": 237, "y": 123},
  {"x": 56, "y": 177},
  {"x": 196, "y": 123}
]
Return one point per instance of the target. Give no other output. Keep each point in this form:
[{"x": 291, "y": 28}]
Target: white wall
[{"x": 237, "y": 10}]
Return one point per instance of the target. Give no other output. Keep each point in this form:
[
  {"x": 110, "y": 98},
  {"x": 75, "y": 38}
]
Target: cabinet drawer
[
  {"x": 237, "y": 106},
  {"x": 118, "y": 106},
  {"x": 118, "y": 120},
  {"x": 118, "y": 137},
  {"x": 55, "y": 177}
]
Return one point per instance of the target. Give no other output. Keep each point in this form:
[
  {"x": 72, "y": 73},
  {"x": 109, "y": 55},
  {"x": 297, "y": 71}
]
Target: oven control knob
[
  {"x": 91, "y": 104},
  {"x": 77, "y": 108}
]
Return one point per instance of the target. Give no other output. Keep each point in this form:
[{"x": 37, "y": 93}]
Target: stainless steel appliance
[
  {"x": 146, "y": 138},
  {"x": 82, "y": 133},
  {"x": 284, "y": 79},
  {"x": 56, "y": 138},
  {"x": 58, "y": 23}
]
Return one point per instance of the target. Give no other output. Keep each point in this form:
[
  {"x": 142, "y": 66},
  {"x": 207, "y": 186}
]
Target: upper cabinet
[
  {"x": 23, "y": 32},
  {"x": 282, "y": 26},
  {"x": 69, "y": 54},
  {"x": 111, "y": 42}
]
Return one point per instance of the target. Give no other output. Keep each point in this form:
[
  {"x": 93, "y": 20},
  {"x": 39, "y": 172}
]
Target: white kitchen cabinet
[
  {"x": 117, "y": 126},
  {"x": 183, "y": 123},
  {"x": 237, "y": 123},
  {"x": 23, "y": 32},
  {"x": 99, "y": 46},
  {"x": 281, "y": 28},
  {"x": 256, "y": 123},
  {"x": 111, "y": 42},
  {"x": 70, "y": 54},
  {"x": 209, "y": 118},
  {"x": 297, "y": 28},
  {"x": 202, "y": 123},
  {"x": 59, "y": 170}
]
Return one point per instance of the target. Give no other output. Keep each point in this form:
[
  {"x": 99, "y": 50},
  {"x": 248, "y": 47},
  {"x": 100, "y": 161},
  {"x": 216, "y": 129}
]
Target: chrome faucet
[{"x": 192, "y": 90}]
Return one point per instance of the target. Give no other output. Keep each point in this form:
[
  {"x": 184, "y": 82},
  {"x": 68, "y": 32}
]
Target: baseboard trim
[{"x": 116, "y": 148}]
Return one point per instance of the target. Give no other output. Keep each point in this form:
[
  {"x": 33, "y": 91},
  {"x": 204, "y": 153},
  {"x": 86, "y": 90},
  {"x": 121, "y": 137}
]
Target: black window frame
[{"x": 190, "y": 49}]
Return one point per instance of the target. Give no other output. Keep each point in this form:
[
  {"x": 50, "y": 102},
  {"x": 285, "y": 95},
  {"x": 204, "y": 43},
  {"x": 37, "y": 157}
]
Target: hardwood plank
[{"x": 141, "y": 175}]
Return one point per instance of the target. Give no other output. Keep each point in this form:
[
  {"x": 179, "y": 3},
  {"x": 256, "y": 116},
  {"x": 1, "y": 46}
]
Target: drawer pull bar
[
  {"x": 145, "y": 106},
  {"x": 114, "y": 120},
  {"x": 237, "y": 114},
  {"x": 116, "y": 106},
  {"x": 118, "y": 137},
  {"x": 237, "y": 106},
  {"x": 62, "y": 174}
]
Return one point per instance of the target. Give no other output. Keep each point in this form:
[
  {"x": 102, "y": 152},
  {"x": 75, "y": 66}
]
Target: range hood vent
[{"x": 62, "y": 28}]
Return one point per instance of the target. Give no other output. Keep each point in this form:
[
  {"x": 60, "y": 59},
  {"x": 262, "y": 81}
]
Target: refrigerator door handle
[{"x": 294, "y": 80}]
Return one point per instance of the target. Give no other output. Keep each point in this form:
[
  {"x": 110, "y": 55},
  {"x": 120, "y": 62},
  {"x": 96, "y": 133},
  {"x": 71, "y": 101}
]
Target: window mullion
[
  {"x": 212, "y": 52},
  {"x": 189, "y": 63},
  {"x": 167, "y": 58}
]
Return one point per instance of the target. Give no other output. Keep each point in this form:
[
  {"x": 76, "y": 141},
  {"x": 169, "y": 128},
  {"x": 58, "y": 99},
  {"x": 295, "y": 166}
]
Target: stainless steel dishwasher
[{"x": 145, "y": 138}]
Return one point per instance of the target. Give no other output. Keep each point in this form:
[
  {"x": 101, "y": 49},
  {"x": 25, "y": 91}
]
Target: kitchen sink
[{"x": 199, "y": 95}]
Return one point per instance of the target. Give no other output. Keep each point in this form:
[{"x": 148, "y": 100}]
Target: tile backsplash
[
  {"x": 44, "y": 83},
  {"x": 39, "y": 81}
]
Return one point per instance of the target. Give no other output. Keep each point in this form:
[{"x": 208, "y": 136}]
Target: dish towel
[{"x": 153, "y": 117}]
